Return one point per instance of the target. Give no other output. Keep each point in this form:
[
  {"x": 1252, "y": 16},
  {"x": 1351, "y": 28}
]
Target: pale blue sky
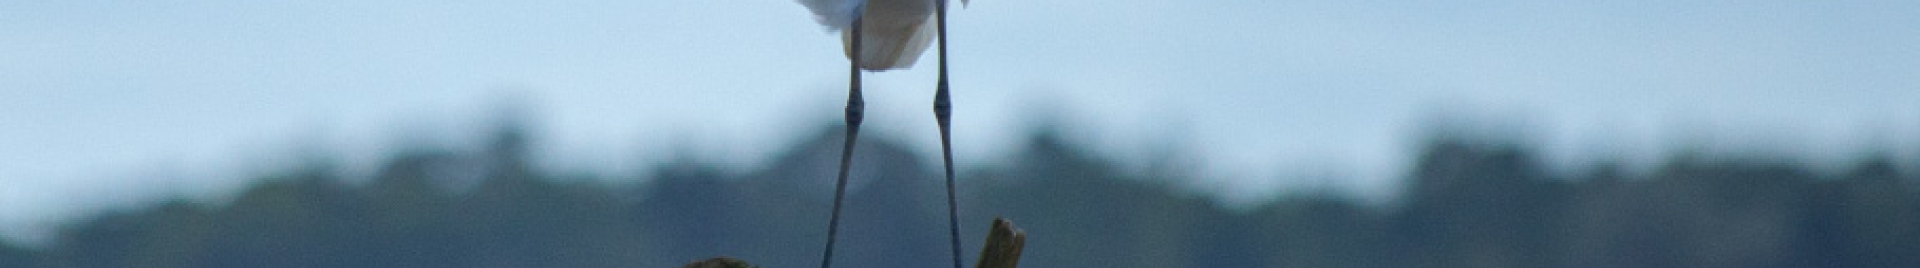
[{"x": 107, "y": 103}]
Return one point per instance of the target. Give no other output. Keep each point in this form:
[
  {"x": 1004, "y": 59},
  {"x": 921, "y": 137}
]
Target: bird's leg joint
[
  {"x": 942, "y": 103},
  {"x": 856, "y": 111}
]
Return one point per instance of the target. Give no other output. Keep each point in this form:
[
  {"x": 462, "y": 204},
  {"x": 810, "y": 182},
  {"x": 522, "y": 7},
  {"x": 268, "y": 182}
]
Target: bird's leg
[
  {"x": 856, "y": 110},
  {"x": 943, "y": 113}
]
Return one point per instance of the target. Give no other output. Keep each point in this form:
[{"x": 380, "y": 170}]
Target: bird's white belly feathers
[{"x": 893, "y": 32}]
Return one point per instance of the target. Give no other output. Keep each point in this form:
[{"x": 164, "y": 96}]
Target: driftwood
[
  {"x": 1003, "y": 246},
  {"x": 1002, "y": 250},
  {"x": 720, "y": 262}
]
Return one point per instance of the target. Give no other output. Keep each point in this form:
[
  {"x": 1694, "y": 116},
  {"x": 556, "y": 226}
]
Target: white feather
[
  {"x": 894, "y": 32},
  {"x": 835, "y": 14}
]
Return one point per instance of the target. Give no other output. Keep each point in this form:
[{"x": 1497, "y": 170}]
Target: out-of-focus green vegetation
[{"x": 1466, "y": 204}]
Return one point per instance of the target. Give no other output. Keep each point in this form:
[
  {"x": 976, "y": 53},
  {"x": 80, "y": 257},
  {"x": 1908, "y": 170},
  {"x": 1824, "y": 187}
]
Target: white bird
[
  {"x": 881, "y": 35},
  {"x": 894, "y": 32}
]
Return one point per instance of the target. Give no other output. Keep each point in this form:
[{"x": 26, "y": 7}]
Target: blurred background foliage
[{"x": 1468, "y": 203}]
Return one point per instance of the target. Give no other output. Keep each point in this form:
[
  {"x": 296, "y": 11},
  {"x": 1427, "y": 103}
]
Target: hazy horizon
[{"x": 109, "y": 103}]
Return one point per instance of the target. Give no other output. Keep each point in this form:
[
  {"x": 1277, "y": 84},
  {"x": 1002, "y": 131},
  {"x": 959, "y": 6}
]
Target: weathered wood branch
[{"x": 1003, "y": 246}]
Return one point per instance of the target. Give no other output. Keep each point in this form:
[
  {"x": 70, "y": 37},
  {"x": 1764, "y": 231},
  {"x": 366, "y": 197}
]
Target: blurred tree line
[{"x": 1466, "y": 204}]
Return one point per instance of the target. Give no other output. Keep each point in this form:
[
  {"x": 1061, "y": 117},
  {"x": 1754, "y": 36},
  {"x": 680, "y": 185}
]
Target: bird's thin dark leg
[
  {"x": 943, "y": 112},
  {"x": 856, "y": 110}
]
